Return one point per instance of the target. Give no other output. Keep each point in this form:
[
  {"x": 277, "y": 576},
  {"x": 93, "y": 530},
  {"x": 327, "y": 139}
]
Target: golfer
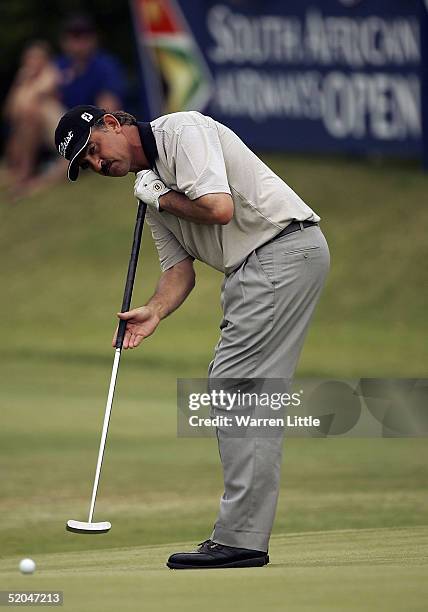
[{"x": 210, "y": 198}]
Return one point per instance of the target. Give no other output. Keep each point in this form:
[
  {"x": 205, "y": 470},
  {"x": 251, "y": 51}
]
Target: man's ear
[{"x": 112, "y": 123}]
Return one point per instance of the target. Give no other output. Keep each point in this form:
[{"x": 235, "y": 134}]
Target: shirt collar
[{"x": 148, "y": 142}]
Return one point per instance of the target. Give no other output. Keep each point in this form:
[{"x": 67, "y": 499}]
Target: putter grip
[{"x": 132, "y": 267}]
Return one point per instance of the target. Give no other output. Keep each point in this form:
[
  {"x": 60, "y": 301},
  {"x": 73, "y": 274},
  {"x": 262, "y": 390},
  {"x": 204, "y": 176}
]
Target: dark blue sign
[{"x": 304, "y": 75}]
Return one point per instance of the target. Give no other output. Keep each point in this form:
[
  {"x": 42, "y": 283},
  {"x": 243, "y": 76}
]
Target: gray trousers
[{"x": 267, "y": 304}]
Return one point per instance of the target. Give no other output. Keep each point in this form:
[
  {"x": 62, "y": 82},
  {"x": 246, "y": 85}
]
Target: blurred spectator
[
  {"x": 31, "y": 110},
  {"x": 89, "y": 75},
  {"x": 41, "y": 92}
]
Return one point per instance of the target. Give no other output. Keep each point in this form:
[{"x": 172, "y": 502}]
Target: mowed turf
[
  {"x": 64, "y": 256},
  {"x": 351, "y": 529},
  {"x": 370, "y": 569}
]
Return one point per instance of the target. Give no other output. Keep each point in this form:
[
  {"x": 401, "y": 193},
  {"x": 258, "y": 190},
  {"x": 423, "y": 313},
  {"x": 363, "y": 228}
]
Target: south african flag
[{"x": 175, "y": 73}]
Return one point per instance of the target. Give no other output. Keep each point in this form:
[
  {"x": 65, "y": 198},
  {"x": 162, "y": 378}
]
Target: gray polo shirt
[{"x": 197, "y": 156}]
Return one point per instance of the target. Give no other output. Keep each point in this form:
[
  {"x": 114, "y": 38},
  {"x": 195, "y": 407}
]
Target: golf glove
[{"x": 148, "y": 188}]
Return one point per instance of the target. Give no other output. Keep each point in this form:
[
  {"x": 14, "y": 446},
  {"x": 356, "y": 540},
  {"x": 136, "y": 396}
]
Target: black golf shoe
[{"x": 211, "y": 555}]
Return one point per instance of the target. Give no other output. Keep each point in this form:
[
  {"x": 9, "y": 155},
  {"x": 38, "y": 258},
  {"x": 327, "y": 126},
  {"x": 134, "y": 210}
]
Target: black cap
[
  {"x": 79, "y": 23},
  {"x": 73, "y": 132}
]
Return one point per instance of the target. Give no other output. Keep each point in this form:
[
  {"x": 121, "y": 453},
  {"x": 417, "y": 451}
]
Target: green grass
[
  {"x": 371, "y": 569},
  {"x": 64, "y": 257},
  {"x": 351, "y": 529}
]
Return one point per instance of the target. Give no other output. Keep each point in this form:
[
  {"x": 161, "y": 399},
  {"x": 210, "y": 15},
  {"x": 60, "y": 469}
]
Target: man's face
[
  {"x": 80, "y": 46},
  {"x": 107, "y": 152}
]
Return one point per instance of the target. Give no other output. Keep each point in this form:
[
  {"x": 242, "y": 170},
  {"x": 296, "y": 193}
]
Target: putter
[{"x": 90, "y": 527}]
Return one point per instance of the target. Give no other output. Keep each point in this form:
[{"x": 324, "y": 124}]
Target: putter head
[{"x": 81, "y": 527}]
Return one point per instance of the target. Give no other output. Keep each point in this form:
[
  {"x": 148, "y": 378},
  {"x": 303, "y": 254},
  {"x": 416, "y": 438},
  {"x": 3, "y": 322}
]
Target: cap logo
[
  {"x": 87, "y": 117},
  {"x": 64, "y": 144}
]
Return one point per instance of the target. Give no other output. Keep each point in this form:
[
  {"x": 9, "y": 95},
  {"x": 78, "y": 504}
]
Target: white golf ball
[{"x": 27, "y": 566}]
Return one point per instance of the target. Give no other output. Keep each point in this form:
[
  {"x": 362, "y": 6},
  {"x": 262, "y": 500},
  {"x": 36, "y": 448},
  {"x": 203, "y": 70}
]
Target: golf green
[
  {"x": 371, "y": 569},
  {"x": 351, "y": 531}
]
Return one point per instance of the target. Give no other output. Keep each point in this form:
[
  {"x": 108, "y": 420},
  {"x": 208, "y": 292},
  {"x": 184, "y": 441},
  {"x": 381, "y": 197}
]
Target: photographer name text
[{"x": 248, "y": 421}]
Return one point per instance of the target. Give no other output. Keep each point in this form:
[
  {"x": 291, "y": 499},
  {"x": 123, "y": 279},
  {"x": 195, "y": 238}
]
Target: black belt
[{"x": 294, "y": 226}]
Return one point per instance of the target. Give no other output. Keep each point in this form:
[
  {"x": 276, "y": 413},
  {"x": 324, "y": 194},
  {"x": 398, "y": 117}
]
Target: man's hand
[
  {"x": 148, "y": 188},
  {"x": 173, "y": 287},
  {"x": 142, "y": 322},
  {"x": 210, "y": 209}
]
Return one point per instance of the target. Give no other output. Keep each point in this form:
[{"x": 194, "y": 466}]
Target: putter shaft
[
  {"x": 90, "y": 527},
  {"x": 105, "y": 430}
]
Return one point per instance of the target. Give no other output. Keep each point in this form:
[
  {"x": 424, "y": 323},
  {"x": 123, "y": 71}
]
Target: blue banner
[{"x": 301, "y": 75}]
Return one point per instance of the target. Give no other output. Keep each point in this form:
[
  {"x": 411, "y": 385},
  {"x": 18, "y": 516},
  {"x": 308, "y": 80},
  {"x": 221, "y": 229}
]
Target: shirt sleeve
[
  {"x": 169, "y": 249},
  {"x": 200, "y": 167}
]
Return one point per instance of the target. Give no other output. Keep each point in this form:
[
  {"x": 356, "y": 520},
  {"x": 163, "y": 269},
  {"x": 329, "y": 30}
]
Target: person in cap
[
  {"x": 89, "y": 75},
  {"x": 210, "y": 198}
]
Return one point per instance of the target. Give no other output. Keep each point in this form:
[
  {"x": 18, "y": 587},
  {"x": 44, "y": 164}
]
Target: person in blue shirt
[
  {"x": 84, "y": 74},
  {"x": 88, "y": 74}
]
